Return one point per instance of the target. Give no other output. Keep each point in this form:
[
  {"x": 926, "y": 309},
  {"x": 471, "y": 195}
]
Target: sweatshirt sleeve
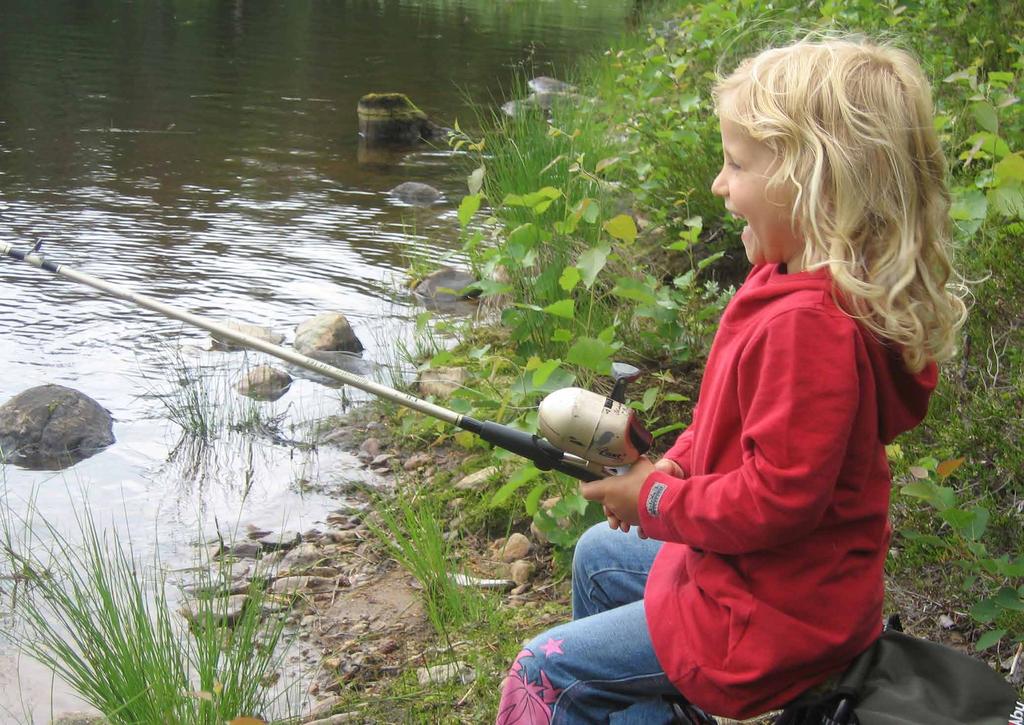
[
  {"x": 798, "y": 396},
  {"x": 680, "y": 450}
]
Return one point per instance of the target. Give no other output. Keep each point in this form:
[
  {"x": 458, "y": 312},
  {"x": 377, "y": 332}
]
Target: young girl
[{"x": 759, "y": 570}]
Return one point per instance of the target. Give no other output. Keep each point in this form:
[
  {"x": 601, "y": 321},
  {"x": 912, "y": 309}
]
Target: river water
[{"x": 207, "y": 154}]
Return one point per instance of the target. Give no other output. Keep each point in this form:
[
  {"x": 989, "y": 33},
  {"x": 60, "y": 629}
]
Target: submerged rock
[
  {"x": 416, "y": 194},
  {"x": 264, "y": 382},
  {"x": 226, "y": 611},
  {"x": 329, "y": 331},
  {"x": 260, "y": 332},
  {"x": 447, "y": 284},
  {"x": 542, "y": 101},
  {"x": 393, "y": 118},
  {"x": 51, "y": 426},
  {"x": 546, "y": 84}
]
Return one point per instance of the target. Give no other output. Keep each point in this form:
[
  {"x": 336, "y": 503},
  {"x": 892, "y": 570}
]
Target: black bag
[{"x": 903, "y": 680}]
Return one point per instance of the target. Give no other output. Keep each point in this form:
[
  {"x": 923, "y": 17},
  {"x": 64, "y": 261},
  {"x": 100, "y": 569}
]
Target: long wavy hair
[{"x": 851, "y": 125}]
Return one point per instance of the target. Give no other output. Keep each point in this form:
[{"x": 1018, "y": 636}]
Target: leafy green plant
[{"x": 960, "y": 540}]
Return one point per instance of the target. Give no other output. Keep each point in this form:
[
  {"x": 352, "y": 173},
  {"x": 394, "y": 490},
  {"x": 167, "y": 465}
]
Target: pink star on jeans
[{"x": 552, "y": 647}]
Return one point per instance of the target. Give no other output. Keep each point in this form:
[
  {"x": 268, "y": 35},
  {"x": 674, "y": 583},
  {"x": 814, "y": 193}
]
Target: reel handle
[{"x": 622, "y": 374}]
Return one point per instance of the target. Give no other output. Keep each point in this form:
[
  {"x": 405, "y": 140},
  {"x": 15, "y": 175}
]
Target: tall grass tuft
[
  {"x": 100, "y": 622},
  {"x": 411, "y": 532},
  {"x": 202, "y": 402}
]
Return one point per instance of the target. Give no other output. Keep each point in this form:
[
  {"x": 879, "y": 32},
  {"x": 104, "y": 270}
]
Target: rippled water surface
[{"x": 206, "y": 153}]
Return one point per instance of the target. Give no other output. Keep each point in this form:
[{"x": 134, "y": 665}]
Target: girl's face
[{"x": 769, "y": 236}]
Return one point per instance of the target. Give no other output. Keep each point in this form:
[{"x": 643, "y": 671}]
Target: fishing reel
[{"x": 601, "y": 430}]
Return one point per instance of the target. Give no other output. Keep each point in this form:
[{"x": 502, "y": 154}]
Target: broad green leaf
[
  {"x": 689, "y": 102},
  {"x": 588, "y": 209},
  {"x": 929, "y": 539},
  {"x": 990, "y": 143},
  {"x": 469, "y": 206},
  {"x": 1001, "y": 78},
  {"x": 985, "y": 611},
  {"x": 524, "y": 386},
  {"x": 476, "y": 180},
  {"x": 563, "y": 308},
  {"x": 940, "y": 497},
  {"x": 1011, "y": 168},
  {"x": 969, "y": 204},
  {"x": 988, "y": 639},
  {"x": 542, "y": 206},
  {"x": 521, "y": 240},
  {"x": 1014, "y": 569},
  {"x": 548, "y": 193},
  {"x": 1009, "y": 598},
  {"x": 543, "y": 372},
  {"x": 521, "y": 477},
  {"x": 561, "y": 335},
  {"x": 919, "y": 489},
  {"x": 1008, "y": 199},
  {"x": 622, "y": 227},
  {"x": 593, "y": 354},
  {"x": 985, "y": 115},
  {"x": 533, "y": 498},
  {"x": 971, "y": 524},
  {"x": 591, "y": 262},
  {"x": 569, "y": 279},
  {"x": 650, "y": 395},
  {"x": 658, "y": 432},
  {"x": 632, "y": 289}
]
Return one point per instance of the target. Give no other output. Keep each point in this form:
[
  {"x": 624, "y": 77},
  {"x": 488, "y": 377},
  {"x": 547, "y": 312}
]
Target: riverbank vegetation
[{"x": 597, "y": 239}]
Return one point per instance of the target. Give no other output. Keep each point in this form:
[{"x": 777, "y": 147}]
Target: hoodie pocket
[{"x": 721, "y": 611}]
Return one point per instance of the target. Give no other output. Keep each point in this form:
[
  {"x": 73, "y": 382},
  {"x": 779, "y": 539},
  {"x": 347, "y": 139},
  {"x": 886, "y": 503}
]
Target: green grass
[
  {"x": 410, "y": 530},
  {"x": 203, "y": 403},
  {"x": 102, "y": 622}
]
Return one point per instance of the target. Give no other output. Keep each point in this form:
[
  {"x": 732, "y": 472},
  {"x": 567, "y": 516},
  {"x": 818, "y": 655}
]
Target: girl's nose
[{"x": 718, "y": 186}]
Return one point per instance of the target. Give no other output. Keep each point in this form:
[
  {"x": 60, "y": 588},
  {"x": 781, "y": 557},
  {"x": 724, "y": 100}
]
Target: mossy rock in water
[{"x": 393, "y": 118}]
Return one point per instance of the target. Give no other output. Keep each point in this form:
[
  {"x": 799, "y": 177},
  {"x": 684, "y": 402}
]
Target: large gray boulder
[
  {"x": 329, "y": 331},
  {"x": 50, "y": 426}
]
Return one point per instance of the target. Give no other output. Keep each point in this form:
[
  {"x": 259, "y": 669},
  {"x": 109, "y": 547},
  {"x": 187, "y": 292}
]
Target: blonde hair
[{"x": 851, "y": 126}]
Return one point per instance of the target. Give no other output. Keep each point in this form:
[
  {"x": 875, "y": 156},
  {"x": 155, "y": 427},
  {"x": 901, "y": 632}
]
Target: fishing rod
[{"x": 600, "y": 431}]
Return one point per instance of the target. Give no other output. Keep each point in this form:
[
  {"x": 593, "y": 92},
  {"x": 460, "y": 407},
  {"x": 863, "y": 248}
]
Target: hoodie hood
[{"x": 902, "y": 395}]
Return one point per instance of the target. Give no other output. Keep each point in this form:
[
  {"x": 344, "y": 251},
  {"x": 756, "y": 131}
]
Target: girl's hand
[
  {"x": 667, "y": 465},
  {"x": 619, "y": 494}
]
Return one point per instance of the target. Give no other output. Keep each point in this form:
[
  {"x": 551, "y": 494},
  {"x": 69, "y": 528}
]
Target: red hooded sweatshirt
[{"x": 770, "y": 579}]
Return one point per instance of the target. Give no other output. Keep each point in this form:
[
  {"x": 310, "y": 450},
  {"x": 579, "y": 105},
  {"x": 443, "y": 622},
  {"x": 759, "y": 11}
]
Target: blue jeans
[{"x": 600, "y": 667}]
